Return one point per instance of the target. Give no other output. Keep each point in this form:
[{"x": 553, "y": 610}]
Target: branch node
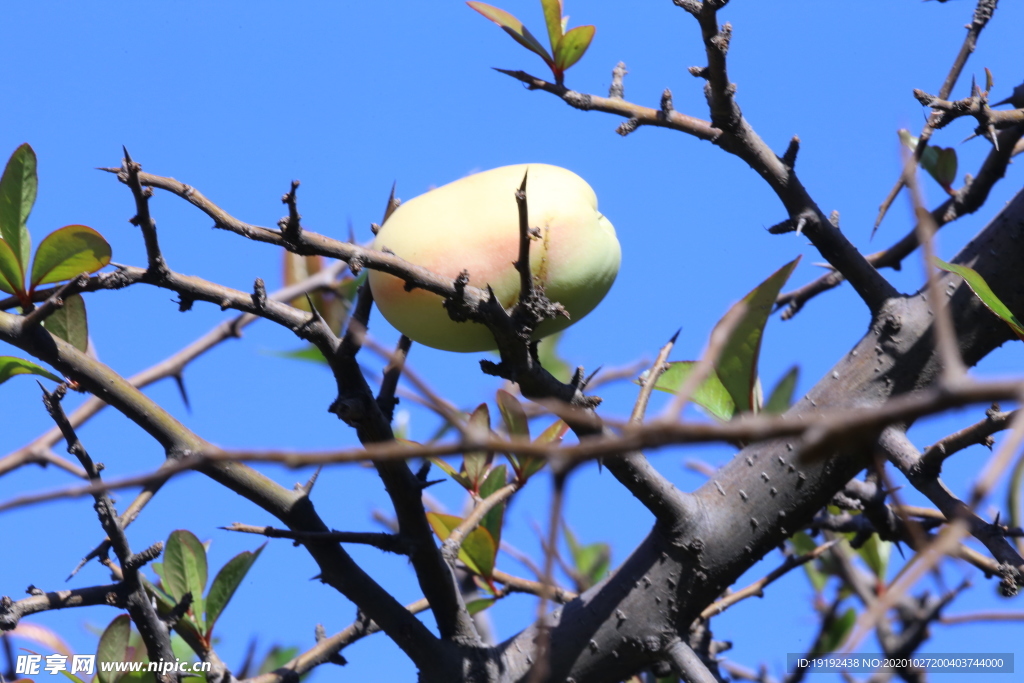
[
  {"x": 617, "y": 89},
  {"x": 628, "y": 126}
]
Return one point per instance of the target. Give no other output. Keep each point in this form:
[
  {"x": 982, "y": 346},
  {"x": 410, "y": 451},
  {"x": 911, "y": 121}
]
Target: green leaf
[
  {"x": 529, "y": 465},
  {"x": 711, "y": 395},
  {"x": 492, "y": 521},
  {"x": 307, "y": 353},
  {"x": 227, "y": 581},
  {"x": 113, "y": 647},
  {"x": 978, "y": 285},
  {"x": 475, "y": 463},
  {"x": 17, "y": 195},
  {"x": 513, "y": 414},
  {"x": 875, "y": 552},
  {"x": 11, "y": 279},
  {"x": 67, "y": 252},
  {"x": 475, "y": 606},
  {"x": 591, "y": 561},
  {"x": 185, "y": 570},
  {"x": 66, "y": 673},
  {"x": 459, "y": 477},
  {"x": 737, "y": 364},
  {"x": 478, "y": 549},
  {"x": 553, "y": 20},
  {"x": 547, "y": 354},
  {"x": 836, "y": 632},
  {"x": 782, "y": 395},
  {"x": 11, "y": 366},
  {"x": 939, "y": 162},
  {"x": 514, "y": 28},
  {"x": 69, "y": 322},
  {"x": 572, "y": 46}
]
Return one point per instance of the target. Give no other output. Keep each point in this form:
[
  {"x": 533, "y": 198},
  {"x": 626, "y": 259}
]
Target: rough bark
[{"x": 626, "y": 622}]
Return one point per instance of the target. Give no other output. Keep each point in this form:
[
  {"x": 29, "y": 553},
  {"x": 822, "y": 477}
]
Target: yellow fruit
[{"x": 473, "y": 224}]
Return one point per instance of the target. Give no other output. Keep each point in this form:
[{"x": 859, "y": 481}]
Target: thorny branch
[{"x": 982, "y": 14}]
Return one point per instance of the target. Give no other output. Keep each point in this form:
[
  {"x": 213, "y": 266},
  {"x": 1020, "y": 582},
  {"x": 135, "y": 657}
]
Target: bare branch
[{"x": 982, "y": 13}]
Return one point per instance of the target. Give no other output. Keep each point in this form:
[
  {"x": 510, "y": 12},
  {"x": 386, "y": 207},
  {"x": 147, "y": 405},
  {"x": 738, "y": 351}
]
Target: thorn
[
  {"x": 789, "y": 157},
  {"x": 392, "y": 204},
  {"x": 423, "y": 471},
  {"x": 800, "y": 225},
  {"x": 307, "y": 488},
  {"x": 179, "y": 379},
  {"x": 127, "y": 156},
  {"x": 675, "y": 336}
]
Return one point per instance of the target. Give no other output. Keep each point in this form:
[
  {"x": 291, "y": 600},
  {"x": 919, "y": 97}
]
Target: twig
[
  {"x": 999, "y": 461},
  {"x": 389, "y": 382},
  {"x": 953, "y": 368},
  {"x": 757, "y": 588},
  {"x": 651, "y": 379},
  {"x": 129, "y": 174},
  {"x": 392, "y": 543},
  {"x": 542, "y": 644},
  {"x": 143, "y": 613},
  {"x": 982, "y": 13},
  {"x": 746, "y": 428},
  {"x": 516, "y": 584},
  {"x": 719, "y": 338},
  {"x": 450, "y": 548},
  {"x": 966, "y": 200},
  {"x": 326, "y": 648},
  {"x": 978, "y": 433},
  {"x": 40, "y": 313},
  {"x": 291, "y": 227},
  {"x": 687, "y": 664},
  {"x": 981, "y": 616}
]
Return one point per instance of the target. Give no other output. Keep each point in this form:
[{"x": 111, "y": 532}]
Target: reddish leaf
[
  {"x": 514, "y": 28},
  {"x": 476, "y": 463}
]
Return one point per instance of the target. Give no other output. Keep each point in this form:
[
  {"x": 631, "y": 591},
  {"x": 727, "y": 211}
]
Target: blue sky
[{"x": 238, "y": 99}]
